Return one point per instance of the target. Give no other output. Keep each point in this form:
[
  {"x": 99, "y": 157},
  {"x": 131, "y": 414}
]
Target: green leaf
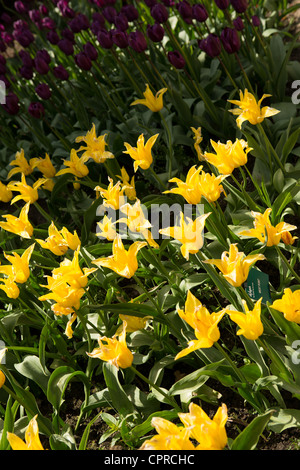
[
  {"x": 31, "y": 368},
  {"x": 249, "y": 437},
  {"x": 118, "y": 397},
  {"x": 284, "y": 419},
  {"x": 58, "y": 383}
]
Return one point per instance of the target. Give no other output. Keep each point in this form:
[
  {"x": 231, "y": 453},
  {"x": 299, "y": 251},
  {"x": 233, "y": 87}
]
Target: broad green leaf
[
  {"x": 58, "y": 383},
  {"x": 31, "y": 368},
  {"x": 117, "y": 394},
  {"x": 249, "y": 437}
]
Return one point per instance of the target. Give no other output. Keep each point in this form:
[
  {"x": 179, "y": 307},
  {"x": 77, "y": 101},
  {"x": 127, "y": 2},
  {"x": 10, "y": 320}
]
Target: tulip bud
[
  {"x": 66, "y": 46},
  {"x": 36, "y": 110},
  {"x": 110, "y": 14},
  {"x": 53, "y": 37},
  {"x": 83, "y": 61},
  {"x": 211, "y": 45},
  {"x": 48, "y": 23},
  {"x": 255, "y": 21},
  {"x": 20, "y": 7},
  {"x": 130, "y": 12},
  {"x": 238, "y": 24},
  {"x": 137, "y": 41},
  {"x": 159, "y": 13},
  {"x": 41, "y": 66},
  {"x": 26, "y": 72},
  {"x": 24, "y": 37},
  {"x": 155, "y": 32},
  {"x": 90, "y": 51},
  {"x": 176, "y": 59},
  {"x": 240, "y": 6},
  {"x": 230, "y": 40},
  {"x": 121, "y": 22},
  {"x": 120, "y": 38},
  {"x": 222, "y": 4},
  {"x": 105, "y": 39},
  {"x": 199, "y": 13},
  {"x": 68, "y": 34},
  {"x": 60, "y": 72},
  {"x": 186, "y": 11},
  {"x": 43, "y": 91}
]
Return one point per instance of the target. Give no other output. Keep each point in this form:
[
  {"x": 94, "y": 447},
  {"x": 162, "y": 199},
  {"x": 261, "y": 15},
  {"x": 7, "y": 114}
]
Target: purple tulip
[
  {"x": 26, "y": 58},
  {"x": 79, "y": 23},
  {"x": 20, "y": 7},
  {"x": 11, "y": 105},
  {"x": 240, "y": 6},
  {"x": 36, "y": 110},
  {"x": 199, "y": 13},
  {"x": 83, "y": 61},
  {"x": 130, "y": 12},
  {"x": 90, "y": 51},
  {"x": 186, "y": 11},
  {"x": 48, "y": 23},
  {"x": 222, "y": 4},
  {"x": 121, "y": 22},
  {"x": 159, "y": 13},
  {"x": 65, "y": 9},
  {"x": 150, "y": 3},
  {"x": 99, "y": 18},
  {"x": 137, "y": 41},
  {"x": 230, "y": 40},
  {"x": 6, "y": 18},
  {"x": 155, "y": 32},
  {"x": 41, "y": 66},
  {"x": 24, "y": 37},
  {"x": 176, "y": 59},
  {"x": 255, "y": 21},
  {"x": 26, "y": 72},
  {"x": 60, "y": 72},
  {"x": 43, "y": 10},
  {"x": 105, "y": 39},
  {"x": 120, "y": 38},
  {"x": 35, "y": 16},
  {"x": 68, "y": 34},
  {"x": 66, "y": 46},
  {"x": 43, "y": 91},
  {"x": 110, "y": 14},
  {"x": 53, "y": 37},
  {"x": 43, "y": 54},
  {"x": 238, "y": 24},
  {"x": 211, "y": 45}
]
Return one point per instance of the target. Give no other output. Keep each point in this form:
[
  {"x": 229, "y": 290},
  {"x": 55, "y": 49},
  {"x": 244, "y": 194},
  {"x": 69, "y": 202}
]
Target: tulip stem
[
  {"x": 170, "y": 400},
  {"x": 290, "y": 268},
  {"x": 42, "y": 212},
  {"x": 157, "y": 178},
  {"x": 270, "y": 147},
  {"x": 167, "y": 129}
]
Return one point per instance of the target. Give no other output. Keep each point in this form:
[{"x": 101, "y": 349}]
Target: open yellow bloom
[
  {"x": 58, "y": 241},
  {"x": 136, "y": 221},
  {"x": 27, "y": 193},
  {"x": 234, "y": 265},
  {"x": 133, "y": 323},
  {"x": 18, "y": 225},
  {"x": 113, "y": 196},
  {"x": 153, "y": 102},
  {"x": 289, "y": 305},
  {"x": 198, "y": 184},
  {"x": 210, "y": 433},
  {"x": 32, "y": 440},
  {"x": 18, "y": 270},
  {"x": 121, "y": 261},
  {"x": 205, "y": 324},
  {"x": 2, "y": 379},
  {"x": 115, "y": 351},
  {"x": 45, "y": 166},
  {"x": 76, "y": 165},
  {"x": 249, "y": 322},
  {"x": 228, "y": 156},
  {"x": 129, "y": 186},
  {"x": 66, "y": 297},
  {"x": 141, "y": 154},
  {"x": 70, "y": 271},
  {"x": 188, "y": 233},
  {"x": 198, "y": 139},
  {"x": 106, "y": 228},
  {"x": 10, "y": 287},
  {"x": 266, "y": 232},
  {"x": 250, "y": 110},
  {"x": 169, "y": 436},
  {"x": 21, "y": 164},
  {"x": 95, "y": 146},
  {"x": 5, "y": 193}
]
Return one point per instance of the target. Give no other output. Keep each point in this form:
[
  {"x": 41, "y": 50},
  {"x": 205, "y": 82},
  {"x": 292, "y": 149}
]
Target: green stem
[
  {"x": 287, "y": 263},
  {"x": 270, "y": 147},
  {"x": 170, "y": 147},
  {"x": 157, "y": 178}
]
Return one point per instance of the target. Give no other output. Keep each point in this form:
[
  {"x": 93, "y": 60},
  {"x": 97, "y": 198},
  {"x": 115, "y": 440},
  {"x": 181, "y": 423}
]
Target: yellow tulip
[
  {"x": 65, "y": 296},
  {"x": 129, "y": 186},
  {"x": 107, "y": 228},
  {"x": 76, "y": 165},
  {"x": 250, "y": 110},
  {"x": 5, "y": 193},
  {"x": 153, "y": 102},
  {"x": 10, "y": 288},
  {"x": 198, "y": 184},
  {"x": 18, "y": 225},
  {"x": 21, "y": 164},
  {"x": 136, "y": 221},
  {"x": 121, "y": 261},
  {"x": 141, "y": 154},
  {"x": 198, "y": 139},
  {"x": 228, "y": 156},
  {"x": 266, "y": 232},
  {"x": 235, "y": 265},
  {"x": 133, "y": 323},
  {"x": 32, "y": 440},
  {"x": 45, "y": 166},
  {"x": 249, "y": 322},
  {"x": 114, "y": 351},
  {"x": 58, "y": 241},
  {"x": 205, "y": 325},
  {"x": 27, "y": 193},
  {"x": 189, "y": 234},
  {"x": 2, "y": 379},
  {"x": 169, "y": 436},
  {"x": 113, "y": 196},
  {"x": 210, "y": 433},
  {"x": 289, "y": 305},
  {"x": 18, "y": 270},
  {"x": 70, "y": 272},
  {"x": 95, "y": 146},
  {"x": 68, "y": 331}
]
